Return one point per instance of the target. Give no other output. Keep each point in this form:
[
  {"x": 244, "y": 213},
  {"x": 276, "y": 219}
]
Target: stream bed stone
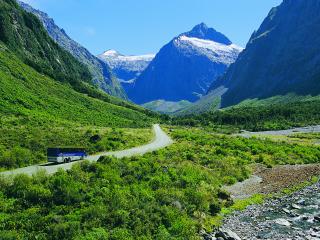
[{"x": 294, "y": 216}]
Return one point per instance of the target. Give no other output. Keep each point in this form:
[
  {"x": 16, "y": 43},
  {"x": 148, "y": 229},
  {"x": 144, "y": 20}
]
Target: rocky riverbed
[
  {"x": 309, "y": 129},
  {"x": 295, "y": 216},
  {"x": 272, "y": 180}
]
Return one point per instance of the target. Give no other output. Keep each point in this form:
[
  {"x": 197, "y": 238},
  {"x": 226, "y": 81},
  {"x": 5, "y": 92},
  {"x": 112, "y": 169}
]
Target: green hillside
[
  {"x": 24, "y": 35},
  {"x": 280, "y": 112},
  {"x": 32, "y": 105},
  {"x": 26, "y": 93}
]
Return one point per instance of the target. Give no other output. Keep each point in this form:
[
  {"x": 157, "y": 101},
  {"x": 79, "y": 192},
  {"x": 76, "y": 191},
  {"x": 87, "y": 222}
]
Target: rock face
[
  {"x": 100, "y": 71},
  {"x": 281, "y": 57},
  {"x": 227, "y": 234},
  {"x": 126, "y": 68},
  {"x": 185, "y": 67}
]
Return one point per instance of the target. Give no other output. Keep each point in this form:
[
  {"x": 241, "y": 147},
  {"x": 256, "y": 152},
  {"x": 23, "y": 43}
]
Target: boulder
[
  {"x": 283, "y": 222},
  {"x": 295, "y": 206},
  {"x": 227, "y": 234}
]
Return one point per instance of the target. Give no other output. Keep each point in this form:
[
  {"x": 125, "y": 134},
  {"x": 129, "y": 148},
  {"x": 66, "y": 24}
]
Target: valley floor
[
  {"x": 160, "y": 140},
  {"x": 171, "y": 193}
]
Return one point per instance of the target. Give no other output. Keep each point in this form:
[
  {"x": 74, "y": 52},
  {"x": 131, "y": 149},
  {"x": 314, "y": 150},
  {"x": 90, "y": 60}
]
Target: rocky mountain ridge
[
  {"x": 185, "y": 68},
  {"x": 126, "y": 67},
  {"x": 100, "y": 71},
  {"x": 282, "y": 57}
]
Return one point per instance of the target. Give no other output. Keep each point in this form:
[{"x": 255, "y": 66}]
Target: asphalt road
[{"x": 161, "y": 140}]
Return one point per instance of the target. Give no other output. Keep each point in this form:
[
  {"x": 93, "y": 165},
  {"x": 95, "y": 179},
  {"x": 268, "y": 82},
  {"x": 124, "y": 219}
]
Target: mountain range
[
  {"x": 185, "y": 68},
  {"x": 126, "y": 68},
  {"x": 282, "y": 57},
  {"x": 203, "y": 66},
  {"x": 205, "y": 52},
  {"x": 102, "y": 75}
]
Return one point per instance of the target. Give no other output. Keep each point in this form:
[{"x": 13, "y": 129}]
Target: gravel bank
[
  {"x": 271, "y": 180},
  {"x": 309, "y": 129}
]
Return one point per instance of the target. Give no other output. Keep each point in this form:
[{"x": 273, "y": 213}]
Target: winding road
[{"x": 161, "y": 140}]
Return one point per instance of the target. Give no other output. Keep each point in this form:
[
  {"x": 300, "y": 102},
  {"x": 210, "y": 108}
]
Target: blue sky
[{"x": 144, "y": 26}]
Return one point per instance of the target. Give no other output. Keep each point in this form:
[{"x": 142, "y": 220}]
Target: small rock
[
  {"x": 283, "y": 222},
  {"x": 295, "y": 206},
  {"x": 286, "y": 210},
  {"x": 177, "y": 205},
  {"x": 301, "y": 202},
  {"x": 227, "y": 234}
]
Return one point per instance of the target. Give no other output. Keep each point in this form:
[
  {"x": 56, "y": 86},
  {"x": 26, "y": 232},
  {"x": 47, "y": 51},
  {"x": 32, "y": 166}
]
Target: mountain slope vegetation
[
  {"x": 258, "y": 115},
  {"x": 24, "y": 35}
]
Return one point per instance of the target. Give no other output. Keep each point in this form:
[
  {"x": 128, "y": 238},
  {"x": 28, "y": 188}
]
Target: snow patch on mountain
[
  {"x": 217, "y": 52},
  {"x": 126, "y": 68},
  {"x": 131, "y": 62}
]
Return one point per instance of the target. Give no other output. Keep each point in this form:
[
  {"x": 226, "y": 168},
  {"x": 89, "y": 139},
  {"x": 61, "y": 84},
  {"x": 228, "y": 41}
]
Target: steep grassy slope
[
  {"x": 24, "y": 34},
  {"x": 24, "y": 92},
  {"x": 33, "y": 107}
]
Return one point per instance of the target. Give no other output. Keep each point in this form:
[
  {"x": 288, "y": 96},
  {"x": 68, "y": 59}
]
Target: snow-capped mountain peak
[
  {"x": 186, "y": 67},
  {"x": 110, "y": 53},
  {"x": 202, "y": 31},
  {"x": 126, "y": 68},
  {"x": 113, "y": 55},
  {"x": 217, "y": 52}
]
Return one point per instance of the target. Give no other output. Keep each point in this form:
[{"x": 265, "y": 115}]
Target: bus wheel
[
  {"x": 69, "y": 160},
  {"x": 65, "y": 160}
]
